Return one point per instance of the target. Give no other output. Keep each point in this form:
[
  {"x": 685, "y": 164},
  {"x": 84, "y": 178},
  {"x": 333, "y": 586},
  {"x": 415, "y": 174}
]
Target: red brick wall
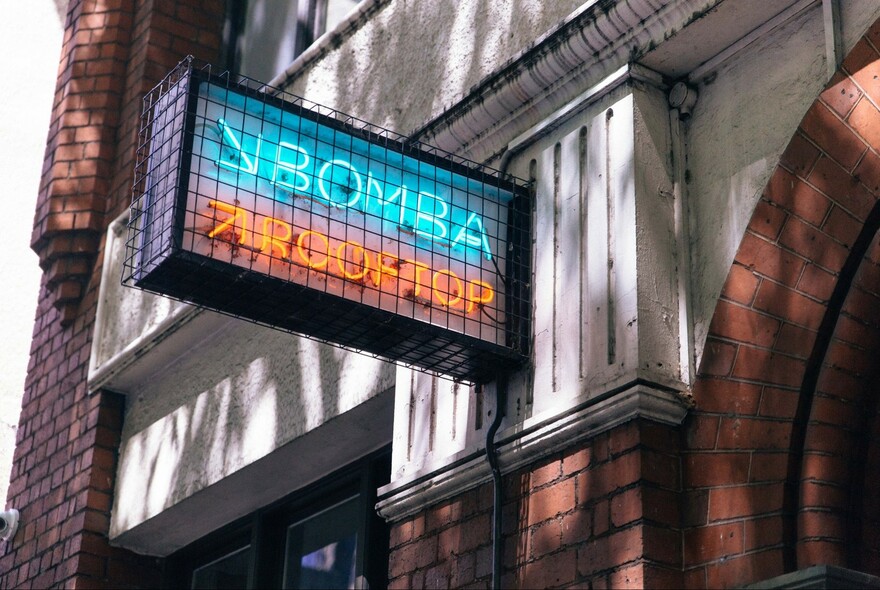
[
  {"x": 771, "y": 463},
  {"x": 866, "y": 512},
  {"x": 839, "y": 426},
  {"x": 80, "y": 148},
  {"x": 67, "y": 441},
  {"x": 604, "y": 513}
]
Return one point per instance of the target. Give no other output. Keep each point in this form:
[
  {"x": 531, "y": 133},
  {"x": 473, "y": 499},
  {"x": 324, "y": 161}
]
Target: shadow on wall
[
  {"x": 194, "y": 425},
  {"x": 401, "y": 69}
]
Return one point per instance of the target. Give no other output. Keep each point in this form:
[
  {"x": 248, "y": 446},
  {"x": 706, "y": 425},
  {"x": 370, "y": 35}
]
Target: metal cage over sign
[{"x": 259, "y": 204}]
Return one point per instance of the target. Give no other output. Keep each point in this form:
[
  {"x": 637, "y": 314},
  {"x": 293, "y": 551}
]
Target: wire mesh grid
[{"x": 262, "y": 205}]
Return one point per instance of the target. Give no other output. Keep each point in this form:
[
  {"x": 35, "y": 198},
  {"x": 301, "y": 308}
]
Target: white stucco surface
[
  {"x": 387, "y": 71},
  {"x": 239, "y": 393},
  {"x": 605, "y": 302}
]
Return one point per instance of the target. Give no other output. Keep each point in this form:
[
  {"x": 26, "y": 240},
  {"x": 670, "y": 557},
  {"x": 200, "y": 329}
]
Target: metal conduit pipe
[
  {"x": 500, "y": 406},
  {"x": 492, "y": 457}
]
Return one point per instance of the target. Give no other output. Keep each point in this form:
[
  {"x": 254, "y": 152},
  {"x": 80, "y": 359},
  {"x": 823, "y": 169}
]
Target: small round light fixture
[
  {"x": 683, "y": 98},
  {"x": 8, "y": 524}
]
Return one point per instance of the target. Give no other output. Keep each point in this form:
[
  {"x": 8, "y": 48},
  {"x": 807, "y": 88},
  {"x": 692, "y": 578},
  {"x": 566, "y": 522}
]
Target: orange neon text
[{"x": 351, "y": 260}]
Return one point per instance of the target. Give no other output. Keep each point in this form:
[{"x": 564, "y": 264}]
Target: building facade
[{"x": 699, "y": 406}]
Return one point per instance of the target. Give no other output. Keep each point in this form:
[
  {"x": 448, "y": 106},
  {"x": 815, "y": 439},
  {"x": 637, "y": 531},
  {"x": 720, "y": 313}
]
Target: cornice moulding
[
  {"x": 589, "y": 46},
  {"x": 529, "y": 442}
]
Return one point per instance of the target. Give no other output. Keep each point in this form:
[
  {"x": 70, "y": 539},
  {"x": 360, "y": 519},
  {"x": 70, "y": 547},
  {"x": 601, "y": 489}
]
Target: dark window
[
  {"x": 321, "y": 549},
  {"x": 262, "y": 37},
  {"x": 229, "y": 571},
  {"x": 325, "y": 536}
]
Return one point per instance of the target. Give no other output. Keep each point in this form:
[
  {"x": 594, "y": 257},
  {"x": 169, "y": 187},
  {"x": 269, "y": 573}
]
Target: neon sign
[
  {"x": 280, "y": 214},
  {"x": 340, "y": 183}
]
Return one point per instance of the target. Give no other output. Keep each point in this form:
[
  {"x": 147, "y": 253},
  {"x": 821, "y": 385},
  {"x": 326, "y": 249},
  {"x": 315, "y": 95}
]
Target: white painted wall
[
  {"x": 213, "y": 400},
  {"x": 743, "y": 120},
  {"x": 387, "y": 72},
  {"x": 605, "y": 295},
  {"x": 241, "y": 393},
  {"x": 30, "y": 42}
]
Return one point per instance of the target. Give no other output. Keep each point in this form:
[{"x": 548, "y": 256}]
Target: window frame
[
  {"x": 310, "y": 23},
  {"x": 265, "y": 530}
]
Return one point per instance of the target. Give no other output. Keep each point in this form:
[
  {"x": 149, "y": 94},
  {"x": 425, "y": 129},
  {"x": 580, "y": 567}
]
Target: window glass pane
[
  {"x": 230, "y": 571},
  {"x": 268, "y": 42},
  {"x": 273, "y": 32},
  {"x": 321, "y": 550},
  {"x": 338, "y": 10}
]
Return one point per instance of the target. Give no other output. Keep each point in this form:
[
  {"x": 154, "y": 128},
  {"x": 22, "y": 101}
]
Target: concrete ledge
[
  {"x": 530, "y": 442},
  {"x": 821, "y": 576},
  {"x": 591, "y": 44},
  {"x": 334, "y": 444},
  {"x": 131, "y": 323}
]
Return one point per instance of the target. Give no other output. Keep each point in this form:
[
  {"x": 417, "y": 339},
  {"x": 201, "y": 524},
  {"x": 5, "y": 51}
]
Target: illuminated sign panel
[{"x": 317, "y": 224}]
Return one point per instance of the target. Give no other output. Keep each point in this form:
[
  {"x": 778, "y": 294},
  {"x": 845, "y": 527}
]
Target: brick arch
[
  {"x": 837, "y": 401},
  {"x": 785, "y": 383},
  {"x": 865, "y": 552}
]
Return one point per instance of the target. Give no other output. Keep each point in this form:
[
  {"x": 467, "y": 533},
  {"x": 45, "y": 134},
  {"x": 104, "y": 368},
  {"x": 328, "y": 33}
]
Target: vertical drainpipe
[
  {"x": 492, "y": 457},
  {"x": 682, "y": 100},
  {"x": 491, "y": 448}
]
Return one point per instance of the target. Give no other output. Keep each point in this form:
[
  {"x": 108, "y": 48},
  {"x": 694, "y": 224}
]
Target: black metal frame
[
  {"x": 264, "y": 531},
  {"x": 167, "y": 267}
]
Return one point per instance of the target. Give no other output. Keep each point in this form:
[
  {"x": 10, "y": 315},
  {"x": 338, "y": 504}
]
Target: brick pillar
[
  {"x": 604, "y": 513},
  {"x": 63, "y": 471},
  {"x": 65, "y": 458},
  {"x": 112, "y": 54},
  {"x": 80, "y": 148}
]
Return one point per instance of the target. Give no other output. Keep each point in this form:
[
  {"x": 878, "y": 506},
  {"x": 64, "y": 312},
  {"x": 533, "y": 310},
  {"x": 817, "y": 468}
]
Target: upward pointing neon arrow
[
  {"x": 250, "y": 166},
  {"x": 238, "y": 214}
]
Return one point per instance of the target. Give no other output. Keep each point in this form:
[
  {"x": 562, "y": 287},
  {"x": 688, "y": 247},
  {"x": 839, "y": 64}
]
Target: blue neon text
[{"x": 369, "y": 180}]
